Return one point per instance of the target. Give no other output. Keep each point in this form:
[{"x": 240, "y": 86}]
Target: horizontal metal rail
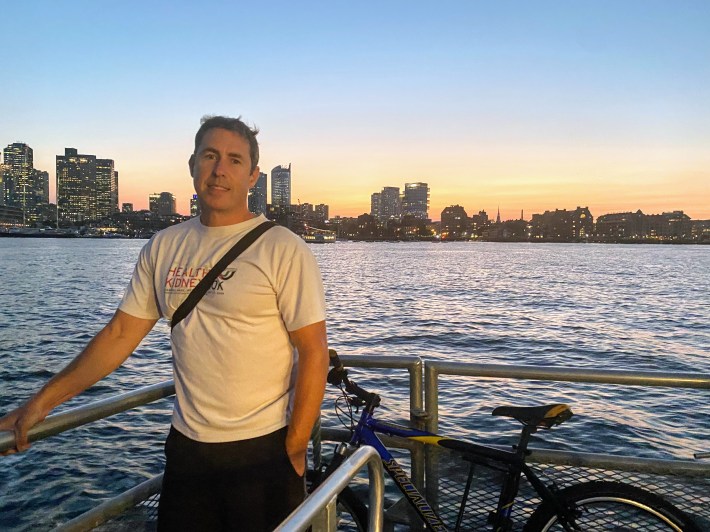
[
  {"x": 611, "y": 462},
  {"x": 433, "y": 369},
  {"x": 113, "y": 507},
  {"x": 325, "y": 494},
  {"x": 82, "y": 415}
]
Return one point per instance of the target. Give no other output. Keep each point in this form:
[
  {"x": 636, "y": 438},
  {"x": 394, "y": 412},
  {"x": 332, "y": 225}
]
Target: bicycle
[{"x": 588, "y": 506}]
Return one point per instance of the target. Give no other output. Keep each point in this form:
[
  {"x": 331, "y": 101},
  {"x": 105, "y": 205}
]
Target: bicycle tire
[
  {"x": 351, "y": 511},
  {"x": 601, "y": 505}
]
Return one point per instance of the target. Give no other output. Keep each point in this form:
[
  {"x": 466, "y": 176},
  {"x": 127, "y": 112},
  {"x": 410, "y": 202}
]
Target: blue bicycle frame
[{"x": 513, "y": 463}]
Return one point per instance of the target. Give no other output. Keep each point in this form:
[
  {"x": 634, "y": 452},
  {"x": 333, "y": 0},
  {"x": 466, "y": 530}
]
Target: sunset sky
[{"x": 522, "y": 105}]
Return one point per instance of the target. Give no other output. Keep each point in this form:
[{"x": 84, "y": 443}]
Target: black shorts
[{"x": 246, "y": 485}]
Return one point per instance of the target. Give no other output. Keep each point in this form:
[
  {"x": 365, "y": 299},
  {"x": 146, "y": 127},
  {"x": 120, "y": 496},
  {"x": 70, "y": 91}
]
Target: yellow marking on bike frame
[
  {"x": 433, "y": 440},
  {"x": 552, "y": 412}
]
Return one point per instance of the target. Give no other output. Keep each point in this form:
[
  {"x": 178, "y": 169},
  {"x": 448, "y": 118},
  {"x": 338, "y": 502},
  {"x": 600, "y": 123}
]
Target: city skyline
[
  {"x": 283, "y": 178},
  {"x": 523, "y": 107}
]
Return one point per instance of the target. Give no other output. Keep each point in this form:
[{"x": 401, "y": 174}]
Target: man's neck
[{"x": 217, "y": 219}]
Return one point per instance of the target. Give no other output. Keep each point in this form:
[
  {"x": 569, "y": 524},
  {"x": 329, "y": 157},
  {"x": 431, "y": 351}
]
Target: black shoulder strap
[{"x": 206, "y": 282}]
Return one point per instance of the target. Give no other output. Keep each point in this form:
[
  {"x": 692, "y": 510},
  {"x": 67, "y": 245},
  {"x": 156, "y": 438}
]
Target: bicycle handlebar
[{"x": 339, "y": 375}]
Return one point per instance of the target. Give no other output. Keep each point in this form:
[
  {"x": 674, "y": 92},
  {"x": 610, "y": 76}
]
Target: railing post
[
  {"x": 431, "y": 395},
  {"x": 417, "y": 415}
]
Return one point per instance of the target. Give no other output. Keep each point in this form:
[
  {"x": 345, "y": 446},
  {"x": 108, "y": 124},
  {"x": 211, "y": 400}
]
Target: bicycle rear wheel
[{"x": 602, "y": 506}]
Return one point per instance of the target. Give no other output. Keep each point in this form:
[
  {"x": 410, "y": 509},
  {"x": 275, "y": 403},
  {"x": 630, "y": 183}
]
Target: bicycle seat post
[{"x": 522, "y": 447}]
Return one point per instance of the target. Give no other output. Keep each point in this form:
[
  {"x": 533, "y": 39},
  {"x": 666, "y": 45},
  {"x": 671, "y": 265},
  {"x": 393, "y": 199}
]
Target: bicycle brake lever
[{"x": 355, "y": 401}]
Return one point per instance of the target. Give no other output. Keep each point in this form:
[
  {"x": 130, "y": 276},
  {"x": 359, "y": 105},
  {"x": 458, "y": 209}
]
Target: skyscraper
[
  {"x": 257, "y": 195},
  {"x": 281, "y": 186},
  {"x": 41, "y": 186},
  {"x": 390, "y": 204},
  {"x": 19, "y": 177},
  {"x": 76, "y": 186},
  {"x": 415, "y": 201},
  {"x": 106, "y": 188}
]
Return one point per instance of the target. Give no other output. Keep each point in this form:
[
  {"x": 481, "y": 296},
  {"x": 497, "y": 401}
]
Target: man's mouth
[{"x": 217, "y": 187}]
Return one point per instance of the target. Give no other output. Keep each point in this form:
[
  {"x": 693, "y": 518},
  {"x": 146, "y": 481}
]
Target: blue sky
[{"x": 526, "y": 105}]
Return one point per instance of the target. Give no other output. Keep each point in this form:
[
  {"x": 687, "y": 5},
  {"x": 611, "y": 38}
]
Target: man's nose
[{"x": 219, "y": 166}]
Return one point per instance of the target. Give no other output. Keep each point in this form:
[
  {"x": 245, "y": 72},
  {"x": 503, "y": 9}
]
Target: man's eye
[
  {"x": 236, "y": 161},
  {"x": 208, "y": 156}
]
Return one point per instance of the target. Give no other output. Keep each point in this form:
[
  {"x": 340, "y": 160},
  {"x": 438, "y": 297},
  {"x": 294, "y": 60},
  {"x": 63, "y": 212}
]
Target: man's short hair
[{"x": 231, "y": 124}]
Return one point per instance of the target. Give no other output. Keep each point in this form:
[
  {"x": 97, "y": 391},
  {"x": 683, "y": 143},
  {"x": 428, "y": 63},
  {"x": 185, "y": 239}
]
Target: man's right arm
[{"x": 104, "y": 353}]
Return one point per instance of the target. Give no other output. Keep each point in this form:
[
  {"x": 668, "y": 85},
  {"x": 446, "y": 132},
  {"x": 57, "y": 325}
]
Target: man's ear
[
  {"x": 254, "y": 177},
  {"x": 191, "y": 162}
]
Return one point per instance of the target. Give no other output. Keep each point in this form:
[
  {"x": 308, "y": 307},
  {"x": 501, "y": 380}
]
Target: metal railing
[
  {"x": 419, "y": 372},
  {"x": 320, "y": 506},
  {"x": 113, "y": 507},
  {"x": 546, "y": 373},
  {"x": 82, "y": 415},
  {"x": 660, "y": 475}
]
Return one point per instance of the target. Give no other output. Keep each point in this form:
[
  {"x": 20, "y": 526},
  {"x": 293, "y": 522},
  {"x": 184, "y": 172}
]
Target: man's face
[{"x": 220, "y": 169}]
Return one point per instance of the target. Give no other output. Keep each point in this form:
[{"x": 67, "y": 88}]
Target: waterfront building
[
  {"x": 563, "y": 225},
  {"x": 375, "y": 202},
  {"x": 10, "y": 216},
  {"x": 47, "y": 213},
  {"x": 669, "y": 226},
  {"x": 390, "y": 205},
  {"x": 106, "y": 185},
  {"x": 162, "y": 203},
  {"x": 194, "y": 206},
  {"x": 3, "y": 169},
  {"x": 281, "y": 186},
  {"x": 415, "y": 201},
  {"x": 257, "y": 195},
  {"x": 508, "y": 231},
  {"x": 41, "y": 186},
  {"x": 305, "y": 214},
  {"x": 365, "y": 229},
  {"x": 19, "y": 166},
  {"x": 23, "y": 186},
  {"x": 479, "y": 222},
  {"x": 620, "y": 226},
  {"x": 631, "y": 226},
  {"x": 700, "y": 231},
  {"x": 454, "y": 223},
  {"x": 76, "y": 186},
  {"x": 321, "y": 212}
]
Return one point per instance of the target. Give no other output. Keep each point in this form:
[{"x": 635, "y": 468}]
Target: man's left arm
[{"x": 312, "y": 345}]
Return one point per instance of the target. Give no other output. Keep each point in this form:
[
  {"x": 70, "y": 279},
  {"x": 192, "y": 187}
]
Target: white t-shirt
[{"x": 233, "y": 362}]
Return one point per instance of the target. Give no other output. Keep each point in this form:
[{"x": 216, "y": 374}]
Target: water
[{"x": 596, "y": 306}]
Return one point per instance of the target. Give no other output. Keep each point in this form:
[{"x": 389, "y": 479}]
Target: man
[{"x": 250, "y": 360}]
